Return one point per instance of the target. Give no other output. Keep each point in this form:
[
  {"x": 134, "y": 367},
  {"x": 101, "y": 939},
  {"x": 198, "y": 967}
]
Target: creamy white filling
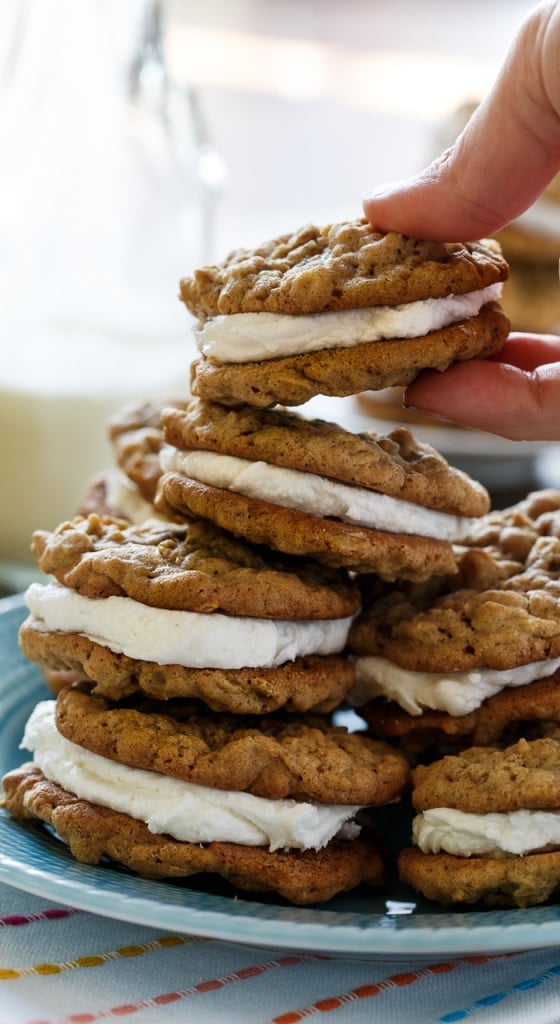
[
  {"x": 192, "y": 639},
  {"x": 485, "y": 835},
  {"x": 457, "y": 693},
  {"x": 242, "y": 337},
  {"x": 316, "y": 495},
  {"x": 188, "y": 812}
]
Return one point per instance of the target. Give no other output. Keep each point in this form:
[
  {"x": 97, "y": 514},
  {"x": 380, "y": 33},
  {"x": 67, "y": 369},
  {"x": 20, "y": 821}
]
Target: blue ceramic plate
[{"x": 359, "y": 925}]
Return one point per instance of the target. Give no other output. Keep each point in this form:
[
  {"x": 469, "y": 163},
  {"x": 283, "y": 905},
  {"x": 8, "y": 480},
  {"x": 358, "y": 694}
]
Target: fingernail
[{"x": 427, "y": 413}]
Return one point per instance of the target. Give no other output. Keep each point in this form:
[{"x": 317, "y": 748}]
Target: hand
[
  {"x": 515, "y": 394},
  {"x": 501, "y": 162},
  {"x": 503, "y": 159}
]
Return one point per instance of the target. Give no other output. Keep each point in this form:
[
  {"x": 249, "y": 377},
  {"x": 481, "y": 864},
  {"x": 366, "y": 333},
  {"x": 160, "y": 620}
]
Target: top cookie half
[{"x": 340, "y": 266}]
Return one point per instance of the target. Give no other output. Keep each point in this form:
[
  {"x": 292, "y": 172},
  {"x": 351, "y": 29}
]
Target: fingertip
[
  {"x": 380, "y": 205},
  {"x": 424, "y": 395},
  {"x": 386, "y": 206},
  {"x": 418, "y": 207}
]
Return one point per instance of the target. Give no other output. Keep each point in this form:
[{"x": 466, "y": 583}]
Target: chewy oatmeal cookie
[
  {"x": 396, "y": 464},
  {"x": 444, "y": 649},
  {"x": 257, "y": 798},
  {"x": 187, "y": 611},
  {"x": 327, "y": 541},
  {"x": 488, "y": 826},
  {"x": 339, "y": 310},
  {"x": 367, "y": 502},
  {"x": 340, "y": 266},
  {"x": 94, "y": 833}
]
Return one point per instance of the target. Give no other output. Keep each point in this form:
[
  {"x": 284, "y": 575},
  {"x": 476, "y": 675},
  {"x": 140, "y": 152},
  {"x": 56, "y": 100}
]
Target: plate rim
[{"x": 246, "y": 922}]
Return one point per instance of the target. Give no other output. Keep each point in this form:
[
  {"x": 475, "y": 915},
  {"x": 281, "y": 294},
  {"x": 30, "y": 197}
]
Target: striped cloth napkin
[{"x": 64, "y": 966}]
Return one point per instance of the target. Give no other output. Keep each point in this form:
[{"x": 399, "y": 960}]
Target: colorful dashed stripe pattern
[
  {"x": 96, "y": 960},
  {"x": 113, "y": 1008},
  {"x": 369, "y": 991},
  {"x": 50, "y": 914},
  {"x": 166, "y": 998},
  {"x": 499, "y": 997}
]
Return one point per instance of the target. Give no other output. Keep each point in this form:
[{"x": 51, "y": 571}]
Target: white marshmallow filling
[
  {"x": 187, "y": 812},
  {"x": 191, "y": 639},
  {"x": 247, "y": 337},
  {"x": 495, "y": 835},
  {"x": 457, "y": 693}
]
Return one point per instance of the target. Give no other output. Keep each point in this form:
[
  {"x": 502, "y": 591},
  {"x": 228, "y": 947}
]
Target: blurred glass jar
[{"x": 108, "y": 189}]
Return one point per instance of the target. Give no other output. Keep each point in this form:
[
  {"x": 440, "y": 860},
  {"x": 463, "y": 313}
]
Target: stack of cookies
[
  {"x": 474, "y": 657},
  {"x": 472, "y": 662},
  {"x": 204, "y": 607},
  {"x": 208, "y": 669}
]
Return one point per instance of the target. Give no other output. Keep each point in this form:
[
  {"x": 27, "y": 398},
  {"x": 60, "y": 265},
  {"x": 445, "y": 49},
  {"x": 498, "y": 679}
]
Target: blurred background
[{"x": 141, "y": 139}]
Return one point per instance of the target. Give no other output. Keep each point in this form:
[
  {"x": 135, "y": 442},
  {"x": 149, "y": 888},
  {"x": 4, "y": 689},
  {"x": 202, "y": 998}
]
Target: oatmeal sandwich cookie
[
  {"x": 94, "y": 832},
  {"x": 468, "y": 658},
  {"x": 171, "y": 791},
  {"x": 338, "y": 310},
  {"x": 366, "y": 502},
  {"x": 488, "y": 826},
  {"x": 189, "y": 611}
]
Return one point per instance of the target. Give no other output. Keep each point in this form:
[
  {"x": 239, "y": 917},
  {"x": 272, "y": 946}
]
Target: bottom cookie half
[{"x": 94, "y": 832}]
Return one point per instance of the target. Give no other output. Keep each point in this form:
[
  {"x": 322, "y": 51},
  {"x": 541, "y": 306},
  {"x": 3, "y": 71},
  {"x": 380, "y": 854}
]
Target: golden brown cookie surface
[
  {"x": 500, "y": 610},
  {"x": 193, "y": 567},
  {"x": 348, "y": 371},
  {"x": 305, "y": 684},
  {"x": 299, "y": 759},
  {"x": 340, "y": 266},
  {"x": 396, "y": 464},
  {"x": 94, "y": 832},
  {"x": 524, "y": 776},
  {"x": 514, "y": 881},
  {"x": 330, "y": 542}
]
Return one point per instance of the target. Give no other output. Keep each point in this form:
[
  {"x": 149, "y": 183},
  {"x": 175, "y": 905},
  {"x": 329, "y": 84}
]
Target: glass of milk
[{"x": 108, "y": 187}]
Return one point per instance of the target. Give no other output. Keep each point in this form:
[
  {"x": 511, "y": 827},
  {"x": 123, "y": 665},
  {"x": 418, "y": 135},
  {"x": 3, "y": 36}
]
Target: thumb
[
  {"x": 518, "y": 404},
  {"x": 503, "y": 159}
]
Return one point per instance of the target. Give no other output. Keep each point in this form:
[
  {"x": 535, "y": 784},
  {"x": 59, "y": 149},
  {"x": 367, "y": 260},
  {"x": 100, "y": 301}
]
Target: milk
[
  {"x": 104, "y": 205},
  {"x": 58, "y": 388}
]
